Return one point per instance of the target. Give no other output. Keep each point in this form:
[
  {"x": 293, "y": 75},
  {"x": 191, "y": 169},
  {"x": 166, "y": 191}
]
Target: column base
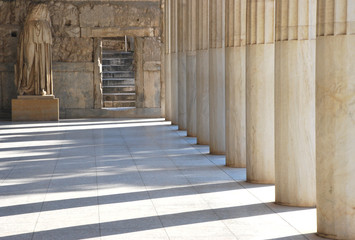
[
  {"x": 295, "y": 205},
  {"x": 326, "y": 236},
  {"x": 35, "y": 108}
]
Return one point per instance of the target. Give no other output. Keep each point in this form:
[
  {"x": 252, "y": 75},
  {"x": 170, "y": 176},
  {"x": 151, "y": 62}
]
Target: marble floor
[{"x": 130, "y": 179}]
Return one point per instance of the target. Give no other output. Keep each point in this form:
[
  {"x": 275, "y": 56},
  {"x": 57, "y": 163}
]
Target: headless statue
[{"x": 33, "y": 71}]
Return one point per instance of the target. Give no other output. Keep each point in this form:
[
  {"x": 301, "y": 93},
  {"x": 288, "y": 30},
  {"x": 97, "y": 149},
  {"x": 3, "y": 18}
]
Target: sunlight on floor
[{"x": 130, "y": 179}]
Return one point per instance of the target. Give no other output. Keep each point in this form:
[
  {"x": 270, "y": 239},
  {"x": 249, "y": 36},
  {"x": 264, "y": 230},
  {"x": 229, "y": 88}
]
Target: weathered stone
[
  {"x": 7, "y": 89},
  {"x": 69, "y": 67},
  {"x": 104, "y": 15},
  {"x": 116, "y": 32},
  {"x": 65, "y": 20},
  {"x": 152, "y": 66},
  {"x": 8, "y": 42},
  {"x": 75, "y": 88},
  {"x": 130, "y": 15},
  {"x": 72, "y": 49},
  {"x": 118, "y": 45},
  {"x": 8, "y": 47},
  {"x": 13, "y": 12},
  {"x": 151, "y": 89},
  {"x": 5, "y": 16},
  {"x": 151, "y": 49},
  {"x": 75, "y": 26},
  {"x": 138, "y": 56},
  {"x": 148, "y": 65}
]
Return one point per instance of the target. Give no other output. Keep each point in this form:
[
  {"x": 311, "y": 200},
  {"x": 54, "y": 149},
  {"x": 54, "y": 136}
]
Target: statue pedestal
[{"x": 35, "y": 108}]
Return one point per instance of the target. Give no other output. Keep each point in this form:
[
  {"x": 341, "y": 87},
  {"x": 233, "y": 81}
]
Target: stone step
[
  {"x": 117, "y": 61},
  {"x": 119, "y": 96},
  {"x": 118, "y": 82},
  {"x": 112, "y": 68},
  {"x": 118, "y": 79},
  {"x": 118, "y": 74},
  {"x": 119, "y": 103},
  {"x": 119, "y": 89},
  {"x": 112, "y": 54}
]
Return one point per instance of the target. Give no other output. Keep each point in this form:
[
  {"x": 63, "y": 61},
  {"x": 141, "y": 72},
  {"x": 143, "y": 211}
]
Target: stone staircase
[{"x": 118, "y": 82}]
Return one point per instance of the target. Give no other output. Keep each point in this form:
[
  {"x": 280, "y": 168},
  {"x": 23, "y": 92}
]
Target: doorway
[{"x": 118, "y": 73}]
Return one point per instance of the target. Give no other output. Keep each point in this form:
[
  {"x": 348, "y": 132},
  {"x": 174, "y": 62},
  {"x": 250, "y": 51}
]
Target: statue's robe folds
[{"x": 33, "y": 71}]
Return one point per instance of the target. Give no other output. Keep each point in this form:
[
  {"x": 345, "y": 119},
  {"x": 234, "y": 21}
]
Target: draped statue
[{"x": 33, "y": 71}]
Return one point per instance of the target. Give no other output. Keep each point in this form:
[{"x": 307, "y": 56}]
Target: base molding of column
[
  {"x": 294, "y": 205},
  {"x": 271, "y": 182},
  {"x": 323, "y": 235}
]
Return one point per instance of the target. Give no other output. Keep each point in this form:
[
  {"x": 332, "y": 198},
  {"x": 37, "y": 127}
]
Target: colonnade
[{"x": 271, "y": 84}]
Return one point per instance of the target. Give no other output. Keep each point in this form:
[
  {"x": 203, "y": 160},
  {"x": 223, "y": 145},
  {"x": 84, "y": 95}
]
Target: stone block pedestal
[{"x": 35, "y": 108}]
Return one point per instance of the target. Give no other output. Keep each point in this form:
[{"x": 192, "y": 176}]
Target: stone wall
[{"x": 76, "y": 24}]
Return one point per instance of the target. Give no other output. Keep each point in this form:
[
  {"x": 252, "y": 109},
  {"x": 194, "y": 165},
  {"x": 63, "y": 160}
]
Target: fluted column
[
  {"x": 202, "y": 72},
  {"x": 191, "y": 68},
  {"x": 235, "y": 83},
  {"x": 174, "y": 62},
  {"x": 260, "y": 91},
  {"x": 167, "y": 46},
  {"x": 335, "y": 119},
  {"x": 182, "y": 47},
  {"x": 295, "y": 102},
  {"x": 217, "y": 76}
]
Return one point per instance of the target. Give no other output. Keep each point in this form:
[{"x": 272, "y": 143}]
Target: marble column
[
  {"x": 217, "y": 76},
  {"x": 191, "y": 69},
  {"x": 235, "y": 83},
  {"x": 260, "y": 91},
  {"x": 295, "y": 103},
  {"x": 335, "y": 119},
  {"x": 202, "y": 78},
  {"x": 174, "y": 63},
  {"x": 167, "y": 45},
  {"x": 163, "y": 75},
  {"x": 182, "y": 46}
]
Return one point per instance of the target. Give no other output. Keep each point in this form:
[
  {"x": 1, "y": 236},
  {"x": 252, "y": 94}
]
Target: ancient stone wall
[{"x": 75, "y": 26}]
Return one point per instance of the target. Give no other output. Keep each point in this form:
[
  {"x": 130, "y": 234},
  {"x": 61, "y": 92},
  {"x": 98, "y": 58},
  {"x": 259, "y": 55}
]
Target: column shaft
[
  {"x": 235, "y": 83},
  {"x": 202, "y": 74},
  {"x": 163, "y": 75},
  {"x": 182, "y": 46},
  {"x": 217, "y": 76},
  {"x": 335, "y": 119},
  {"x": 174, "y": 63},
  {"x": 167, "y": 46},
  {"x": 295, "y": 102},
  {"x": 260, "y": 91},
  {"x": 191, "y": 69}
]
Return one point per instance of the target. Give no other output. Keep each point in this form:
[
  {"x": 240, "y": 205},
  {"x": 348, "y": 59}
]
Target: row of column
[{"x": 271, "y": 85}]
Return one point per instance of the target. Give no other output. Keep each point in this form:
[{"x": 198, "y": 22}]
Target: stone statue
[{"x": 33, "y": 71}]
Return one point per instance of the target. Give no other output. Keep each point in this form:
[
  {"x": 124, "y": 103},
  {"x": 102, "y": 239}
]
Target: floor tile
[{"x": 131, "y": 179}]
